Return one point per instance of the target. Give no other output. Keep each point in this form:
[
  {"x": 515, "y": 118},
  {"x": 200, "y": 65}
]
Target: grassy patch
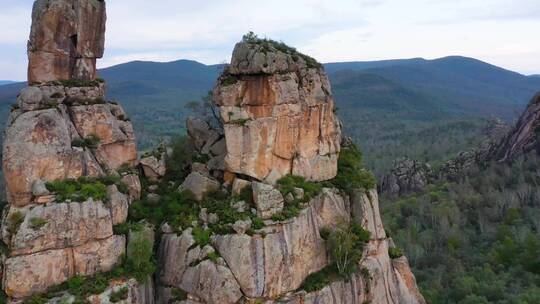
[
  {"x": 139, "y": 262},
  {"x": 15, "y": 220},
  {"x": 213, "y": 256},
  {"x": 83, "y": 188},
  {"x": 201, "y": 236},
  {"x": 269, "y": 45},
  {"x": 219, "y": 202},
  {"x": 178, "y": 294},
  {"x": 92, "y": 142},
  {"x": 240, "y": 121},
  {"x": 72, "y": 83},
  {"x": 318, "y": 280},
  {"x": 78, "y": 190},
  {"x": 395, "y": 252},
  {"x": 286, "y": 185},
  {"x": 119, "y": 295},
  {"x": 37, "y": 222}
]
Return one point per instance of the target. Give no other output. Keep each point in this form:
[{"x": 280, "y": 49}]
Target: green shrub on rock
[
  {"x": 395, "y": 252},
  {"x": 287, "y": 184},
  {"x": 92, "y": 142},
  {"x": 139, "y": 262},
  {"x": 37, "y": 222},
  {"x": 15, "y": 220},
  {"x": 201, "y": 236},
  {"x": 79, "y": 190},
  {"x": 351, "y": 174},
  {"x": 119, "y": 295}
]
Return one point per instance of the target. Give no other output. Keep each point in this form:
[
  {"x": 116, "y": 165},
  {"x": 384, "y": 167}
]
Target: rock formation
[
  {"x": 412, "y": 176},
  {"x": 277, "y": 110},
  {"x": 243, "y": 236},
  {"x": 524, "y": 137},
  {"x": 408, "y": 176},
  {"x": 63, "y": 150},
  {"x": 65, "y": 40},
  {"x": 278, "y": 122}
]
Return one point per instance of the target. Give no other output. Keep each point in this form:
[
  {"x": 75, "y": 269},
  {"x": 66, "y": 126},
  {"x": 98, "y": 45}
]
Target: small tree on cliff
[
  {"x": 345, "y": 244},
  {"x": 207, "y": 110}
]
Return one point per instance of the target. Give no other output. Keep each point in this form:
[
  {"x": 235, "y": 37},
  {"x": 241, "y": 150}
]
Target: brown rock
[
  {"x": 65, "y": 39},
  {"x": 99, "y": 256},
  {"x": 65, "y": 225},
  {"x": 153, "y": 167},
  {"x": 278, "y": 116},
  {"x": 133, "y": 184},
  {"x": 118, "y": 203},
  {"x": 279, "y": 262},
  {"x": 30, "y": 274},
  {"x": 37, "y": 145},
  {"x": 239, "y": 184},
  {"x": 116, "y": 147},
  {"x": 199, "y": 185},
  {"x": 268, "y": 200},
  {"x": 202, "y": 136}
]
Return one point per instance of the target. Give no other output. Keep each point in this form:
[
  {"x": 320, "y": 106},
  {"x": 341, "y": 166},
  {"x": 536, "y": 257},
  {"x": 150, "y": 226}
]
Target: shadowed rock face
[
  {"x": 65, "y": 39},
  {"x": 408, "y": 176},
  {"x": 525, "y": 136},
  {"x": 278, "y": 116}
]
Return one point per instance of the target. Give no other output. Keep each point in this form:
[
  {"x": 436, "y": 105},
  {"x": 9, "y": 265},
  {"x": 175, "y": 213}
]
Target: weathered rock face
[
  {"x": 26, "y": 275},
  {"x": 182, "y": 266},
  {"x": 199, "y": 185},
  {"x": 65, "y": 40},
  {"x": 524, "y": 137},
  {"x": 408, "y": 176},
  {"x": 278, "y": 116},
  {"x": 64, "y": 129},
  {"x": 274, "y": 262},
  {"x": 47, "y": 143}
]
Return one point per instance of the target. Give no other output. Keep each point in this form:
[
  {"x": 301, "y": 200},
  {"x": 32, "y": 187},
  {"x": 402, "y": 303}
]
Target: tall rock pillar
[
  {"x": 65, "y": 40},
  {"x": 278, "y": 114},
  {"x": 61, "y": 140}
]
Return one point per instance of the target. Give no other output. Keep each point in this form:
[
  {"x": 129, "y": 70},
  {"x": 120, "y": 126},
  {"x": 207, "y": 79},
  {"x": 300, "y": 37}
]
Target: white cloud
[{"x": 499, "y": 31}]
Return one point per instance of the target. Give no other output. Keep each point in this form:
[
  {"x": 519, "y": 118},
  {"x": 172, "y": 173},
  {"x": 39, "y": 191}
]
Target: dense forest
[{"x": 476, "y": 240}]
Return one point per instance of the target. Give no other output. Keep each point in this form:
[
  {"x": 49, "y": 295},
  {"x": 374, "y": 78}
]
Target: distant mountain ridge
[
  {"x": 4, "y": 82},
  {"x": 384, "y": 104}
]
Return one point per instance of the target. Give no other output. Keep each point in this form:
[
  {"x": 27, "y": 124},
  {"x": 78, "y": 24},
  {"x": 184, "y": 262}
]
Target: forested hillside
[{"x": 476, "y": 240}]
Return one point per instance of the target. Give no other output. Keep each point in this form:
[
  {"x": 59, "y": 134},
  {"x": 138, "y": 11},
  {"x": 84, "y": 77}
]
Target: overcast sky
[{"x": 501, "y": 32}]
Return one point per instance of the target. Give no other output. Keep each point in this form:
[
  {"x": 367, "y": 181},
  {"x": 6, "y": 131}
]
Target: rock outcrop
[
  {"x": 412, "y": 176},
  {"x": 408, "y": 176},
  {"x": 524, "y": 137},
  {"x": 276, "y": 108},
  {"x": 65, "y": 40},
  {"x": 63, "y": 147},
  {"x": 278, "y": 114},
  {"x": 273, "y": 263}
]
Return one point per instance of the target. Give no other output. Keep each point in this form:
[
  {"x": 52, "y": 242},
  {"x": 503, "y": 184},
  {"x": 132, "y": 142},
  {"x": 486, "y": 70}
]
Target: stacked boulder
[
  {"x": 277, "y": 113},
  {"x": 62, "y": 130},
  {"x": 66, "y": 38}
]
